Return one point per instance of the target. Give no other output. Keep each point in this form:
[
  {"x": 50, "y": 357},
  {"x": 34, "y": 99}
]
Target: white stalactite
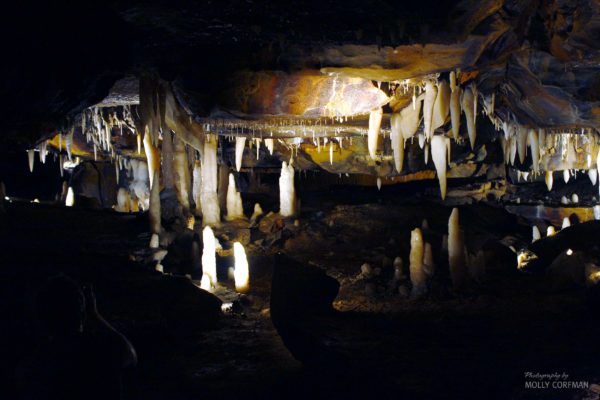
[
  {"x": 152, "y": 157},
  {"x": 410, "y": 118},
  {"x": 287, "y": 192},
  {"x": 270, "y": 143},
  {"x": 235, "y": 209},
  {"x": 439, "y": 153},
  {"x": 467, "y": 107},
  {"x": 373, "y": 134},
  {"x": 31, "y": 159},
  {"x": 211, "y": 211},
  {"x": 209, "y": 258},
  {"x": 441, "y": 108},
  {"x": 70, "y": 199},
  {"x": 593, "y": 175},
  {"x": 455, "y": 105},
  {"x": 379, "y": 183},
  {"x": 513, "y": 149},
  {"x": 534, "y": 145},
  {"x": 241, "y": 272},
  {"x": 522, "y": 134},
  {"x": 240, "y": 144},
  {"x": 417, "y": 273},
  {"x": 456, "y": 255},
  {"x": 123, "y": 201},
  {"x": 549, "y": 180},
  {"x": 430, "y": 95},
  {"x": 566, "y": 175},
  {"x": 397, "y": 141},
  {"x": 69, "y": 144},
  {"x": 43, "y": 151}
]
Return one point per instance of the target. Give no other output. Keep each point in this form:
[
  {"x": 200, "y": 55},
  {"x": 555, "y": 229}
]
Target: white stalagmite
[
  {"x": 209, "y": 258},
  {"x": 441, "y": 108},
  {"x": 430, "y": 95},
  {"x": 211, "y": 211},
  {"x": 240, "y": 144},
  {"x": 467, "y": 107},
  {"x": 417, "y": 273},
  {"x": 123, "y": 201},
  {"x": 410, "y": 118},
  {"x": 534, "y": 145},
  {"x": 522, "y": 143},
  {"x": 152, "y": 157},
  {"x": 70, "y": 200},
  {"x": 182, "y": 174},
  {"x": 566, "y": 223},
  {"x": 439, "y": 153},
  {"x": 241, "y": 271},
  {"x": 456, "y": 255},
  {"x": 154, "y": 241},
  {"x": 31, "y": 159},
  {"x": 258, "y": 211},
  {"x": 535, "y": 234},
  {"x": 235, "y": 209},
  {"x": 270, "y": 143},
  {"x": 287, "y": 192},
  {"x": 550, "y": 231},
  {"x": 154, "y": 207},
  {"x": 454, "y": 105},
  {"x": 397, "y": 141},
  {"x": 197, "y": 186},
  {"x": 428, "y": 263},
  {"x": 566, "y": 175},
  {"x": 593, "y": 174},
  {"x": 549, "y": 180},
  {"x": 374, "y": 127},
  {"x": 574, "y": 198}
]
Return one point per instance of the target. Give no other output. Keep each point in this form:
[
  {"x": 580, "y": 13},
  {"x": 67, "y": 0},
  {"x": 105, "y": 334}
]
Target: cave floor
[{"x": 475, "y": 345}]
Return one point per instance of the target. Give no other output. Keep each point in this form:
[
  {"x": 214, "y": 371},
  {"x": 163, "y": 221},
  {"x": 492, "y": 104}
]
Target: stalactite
[
  {"x": 152, "y": 157},
  {"x": 549, "y": 180},
  {"x": 270, "y": 143},
  {"x": 513, "y": 149},
  {"x": 455, "y": 105},
  {"x": 154, "y": 207},
  {"x": 61, "y": 165},
  {"x": 467, "y": 107},
  {"x": 456, "y": 256},
  {"x": 397, "y": 141},
  {"x": 287, "y": 193},
  {"x": 550, "y": 231},
  {"x": 241, "y": 272},
  {"x": 428, "y": 263},
  {"x": 211, "y": 211},
  {"x": 373, "y": 134},
  {"x": 566, "y": 175},
  {"x": 430, "y": 95},
  {"x": 410, "y": 118},
  {"x": 441, "y": 108},
  {"x": 70, "y": 198},
  {"x": 197, "y": 187},
  {"x": 534, "y": 145},
  {"x": 439, "y": 153},
  {"x": 167, "y": 161},
  {"x": 43, "y": 151},
  {"x": 235, "y": 209},
  {"x": 240, "y": 144},
  {"x": 123, "y": 201},
  {"x": 417, "y": 274},
  {"x": 31, "y": 159},
  {"x": 209, "y": 258},
  {"x": 69, "y": 144},
  {"x": 593, "y": 175},
  {"x": 378, "y": 183},
  {"x": 522, "y": 143},
  {"x": 182, "y": 174},
  {"x": 535, "y": 234}
]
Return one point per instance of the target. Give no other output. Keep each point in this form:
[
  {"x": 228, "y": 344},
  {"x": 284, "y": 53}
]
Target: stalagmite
[
  {"x": 467, "y": 107},
  {"x": 197, "y": 187},
  {"x": 154, "y": 207},
  {"x": 211, "y": 211},
  {"x": 258, "y": 211},
  {"x": 31, "y": 158},
  {"x": 417, "y": 273},
  {"x": 182, "y": 174},
  {"x": 410, "y": 118},
  {"x": 373, "y": 134},
  {"x": 270, "y": 143},
  {"x": 566, "y": 175},
  {"x": 439, "y": 153},
  {"x": 70, "y": 199},
  {"x": 534, "y": 145},
  {"x": 564, "y": 200},
  {"x": 398, "y": 268},
  {"x": 593, "y": 175},
  {"x": 441, "y": 108},
  {"x": 566, "y": 223},
  {"x": 536, "y": 234},
  {"x": 152, "y": 157},
  {"x": 430, "y": 95},
  {"x": 428, "y": 263},
  {"x": 154, "y": 241},
  {"x": 235, "y": 209},
  {"x": 456, "y": 255},
  {"x": 550, "y": 231},
  {"x": 240, "y": 144},
  {"x": 209, "y": 258},
  {"x": 574, "y": 198},
  {"x": 241, "y": 273},
  {"x": 397, "y": 141},
  {"x": 455, "y": 105},
  {"x": 522, "y": 143},
  {"x": 549, "y": 180},
  {"x": 287, "y": 192}
]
